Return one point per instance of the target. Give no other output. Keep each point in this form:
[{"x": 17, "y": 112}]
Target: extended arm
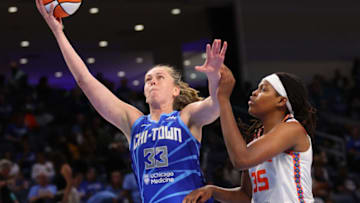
[
  {"x": 206, "y": 111},
  {"x": 284, "y": 136},
  {"x": 117, "y": 112}
]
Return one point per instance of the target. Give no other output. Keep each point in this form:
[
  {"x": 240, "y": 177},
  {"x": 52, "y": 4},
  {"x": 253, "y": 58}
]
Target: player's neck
[
  {"x": 271, "y": 120},
  {"x": 156, "y": 111}
]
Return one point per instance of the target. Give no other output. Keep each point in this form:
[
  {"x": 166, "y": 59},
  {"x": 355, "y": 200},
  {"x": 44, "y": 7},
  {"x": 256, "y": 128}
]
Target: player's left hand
[
  {"x": 215, "y": 56},
  {"x": 226, "y": 83}
]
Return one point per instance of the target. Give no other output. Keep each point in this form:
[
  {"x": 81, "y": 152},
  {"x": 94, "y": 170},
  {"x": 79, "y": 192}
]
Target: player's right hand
[
  {"x": 55, "y": 24},
  {"x": 200, "y": 195}
]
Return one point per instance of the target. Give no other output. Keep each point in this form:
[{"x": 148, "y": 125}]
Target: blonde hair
[{"x": 187, "y": 94}]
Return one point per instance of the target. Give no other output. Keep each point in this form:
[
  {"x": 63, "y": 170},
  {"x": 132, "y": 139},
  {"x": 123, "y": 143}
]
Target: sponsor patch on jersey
[{"x": 159, "y": 178}]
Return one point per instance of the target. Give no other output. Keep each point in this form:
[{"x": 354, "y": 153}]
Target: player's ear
[
  {"x": 282, "y": 101},
  {"x": 176, "y": 91}
]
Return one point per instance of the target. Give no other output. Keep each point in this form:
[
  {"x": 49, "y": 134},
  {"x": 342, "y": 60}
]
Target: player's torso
[
  {"x": 165, "y": 158},
  {"x": 284, "y": 178}
]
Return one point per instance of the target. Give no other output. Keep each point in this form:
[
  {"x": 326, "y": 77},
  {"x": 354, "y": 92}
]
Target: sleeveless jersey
[
  {"x": 285, "y": 178},
  {"x": 165, "y": 159}
]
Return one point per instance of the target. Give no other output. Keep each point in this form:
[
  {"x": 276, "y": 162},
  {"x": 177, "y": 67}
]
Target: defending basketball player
[
  {"x": 276, "y": 164},
  {"x": 164, "y": 145}
]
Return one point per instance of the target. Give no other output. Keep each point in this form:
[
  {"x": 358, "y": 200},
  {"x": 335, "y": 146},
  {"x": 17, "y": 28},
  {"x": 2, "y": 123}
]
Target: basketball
[{"x": 62, "y": 8}]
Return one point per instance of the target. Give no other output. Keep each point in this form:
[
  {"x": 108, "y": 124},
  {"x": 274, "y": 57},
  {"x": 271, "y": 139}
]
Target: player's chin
[{"x": 252, "y": 111}]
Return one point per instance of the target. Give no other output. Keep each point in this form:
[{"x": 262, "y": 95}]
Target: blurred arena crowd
[{"x": 39, "y": 123}]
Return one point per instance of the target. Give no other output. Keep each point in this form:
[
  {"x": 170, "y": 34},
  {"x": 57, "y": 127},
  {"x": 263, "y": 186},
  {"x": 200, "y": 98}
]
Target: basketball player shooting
[{"x": 164, "y": 145}]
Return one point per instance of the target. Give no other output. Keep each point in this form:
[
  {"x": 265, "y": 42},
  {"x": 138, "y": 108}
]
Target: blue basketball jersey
[{"x": 165, "y": 159}]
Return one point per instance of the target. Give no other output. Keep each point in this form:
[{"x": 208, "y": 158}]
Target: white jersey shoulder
[{"x": 285, "y": 178}]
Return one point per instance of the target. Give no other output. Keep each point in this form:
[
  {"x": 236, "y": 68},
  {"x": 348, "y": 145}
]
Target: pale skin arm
[
  {"x": 241, "y": 194},
  {"x": 112, "y": 109},
  {"x": 283, "y": 137},
  {"x": 204, "y": 112}
]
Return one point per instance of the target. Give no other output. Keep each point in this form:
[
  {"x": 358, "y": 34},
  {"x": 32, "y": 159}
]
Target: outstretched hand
[
  {"x": 200, "y": 195},
  {"x": 226, "y": 83},
  {"x": 55, "y": 24},
  {"x": 215, "y": 56}
]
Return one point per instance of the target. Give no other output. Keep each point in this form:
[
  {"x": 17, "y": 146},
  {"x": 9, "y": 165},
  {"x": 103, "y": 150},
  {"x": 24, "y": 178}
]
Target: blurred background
[{"x": 43, "y": 113}]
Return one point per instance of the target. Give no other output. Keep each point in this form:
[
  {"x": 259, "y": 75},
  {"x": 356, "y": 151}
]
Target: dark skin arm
[
  {"x": 229, "y": 195},
  {"x": 282, "y": 137}
]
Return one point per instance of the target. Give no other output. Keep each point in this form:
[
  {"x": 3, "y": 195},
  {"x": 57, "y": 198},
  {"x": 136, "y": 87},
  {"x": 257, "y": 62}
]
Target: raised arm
[
  {"x": 206, "y": 111},
  {"x": 117, "y": 112},
  {"x": 284, "y": 136}
]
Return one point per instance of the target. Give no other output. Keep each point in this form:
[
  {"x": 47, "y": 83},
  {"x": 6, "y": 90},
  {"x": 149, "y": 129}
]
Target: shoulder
[
  {"x": 291, "y": 133},
  {"x": 189, "y": 110},
  {"x": 138, "y": 121},
  {"x": 291, "y": 128}
]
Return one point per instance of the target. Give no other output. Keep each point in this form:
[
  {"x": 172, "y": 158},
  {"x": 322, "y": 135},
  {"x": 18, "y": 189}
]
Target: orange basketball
[{"x": 62, "y": 8}]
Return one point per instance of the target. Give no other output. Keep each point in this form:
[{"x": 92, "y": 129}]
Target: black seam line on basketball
[
  {"x": 63, "y": 9},
  {"x": 57, "y": 6}
]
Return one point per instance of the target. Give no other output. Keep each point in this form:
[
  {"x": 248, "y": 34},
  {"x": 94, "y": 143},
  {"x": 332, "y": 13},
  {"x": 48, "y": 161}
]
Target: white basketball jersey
[{"x": 285, "y": 178}]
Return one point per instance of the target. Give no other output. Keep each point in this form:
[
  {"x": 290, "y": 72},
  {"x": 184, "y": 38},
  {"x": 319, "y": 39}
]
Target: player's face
[
  {"x": 159, "y": 86},
  {"x": 263, "y": 100}
]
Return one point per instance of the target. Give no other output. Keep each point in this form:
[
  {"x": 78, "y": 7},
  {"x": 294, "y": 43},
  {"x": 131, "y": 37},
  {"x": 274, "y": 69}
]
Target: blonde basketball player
[
  {"x": 165, "y": 144},
  {"x": 277, "y": 162}
]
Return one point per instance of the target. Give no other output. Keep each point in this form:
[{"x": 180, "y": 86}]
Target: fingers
[
  {"x": 203, "y": 199},
  {"x": 201, "y": 69},
  {"x": 218, "y": 46},
  {"x": 216, "y": 49},
  {"x": 223, "y": 50},
  {"x": 208, "y": 51},
  {"x": 226, "y": 74},
  {"x": 40, "y": 6},
  {"x": 37, "y": 4},
  {"x": 213, "y": 46},
  {"x": 192, "y": 197},
  {"x": 52, "y": 7},
  {"x": 225, "y": 70}
]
